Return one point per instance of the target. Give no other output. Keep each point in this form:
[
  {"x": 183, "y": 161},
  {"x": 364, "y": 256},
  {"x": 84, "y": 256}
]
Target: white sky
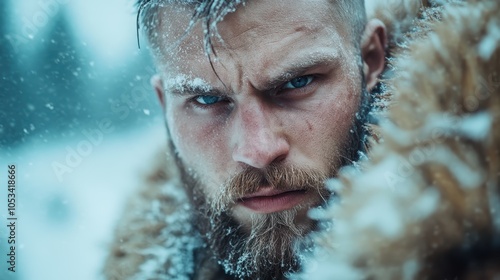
[{"x": 107, "y": 27}]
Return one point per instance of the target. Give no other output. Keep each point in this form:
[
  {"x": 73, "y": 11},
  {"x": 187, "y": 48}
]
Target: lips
[{"x": 269, "y": 200}]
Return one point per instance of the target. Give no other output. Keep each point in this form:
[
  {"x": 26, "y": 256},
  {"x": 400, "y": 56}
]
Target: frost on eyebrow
[{"x": 182, "y": 84}]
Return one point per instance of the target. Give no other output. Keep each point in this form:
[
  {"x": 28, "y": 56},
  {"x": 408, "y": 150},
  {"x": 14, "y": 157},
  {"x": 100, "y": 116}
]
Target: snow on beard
[{"x": 268, "y": 248}]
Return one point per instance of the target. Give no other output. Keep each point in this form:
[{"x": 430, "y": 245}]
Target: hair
[{"x": 210, "y": 12}]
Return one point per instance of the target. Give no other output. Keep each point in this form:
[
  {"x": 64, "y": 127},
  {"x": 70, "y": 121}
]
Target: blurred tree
[
  {"x": 45, "y": 94},
  {"x": 58, "y": 80}
]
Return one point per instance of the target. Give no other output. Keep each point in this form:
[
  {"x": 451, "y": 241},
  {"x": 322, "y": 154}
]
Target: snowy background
[{"x": 80, "y": 121}]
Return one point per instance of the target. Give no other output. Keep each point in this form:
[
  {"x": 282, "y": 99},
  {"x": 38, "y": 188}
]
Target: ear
[
  {"x": 373, "y": 45},
  {"x": 157, "y": 84}
]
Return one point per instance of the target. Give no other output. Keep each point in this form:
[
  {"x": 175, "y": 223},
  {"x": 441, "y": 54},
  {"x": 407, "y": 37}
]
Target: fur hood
[
  {"x": 434, "y": 178},
  {"x": 426, "y": 204}
]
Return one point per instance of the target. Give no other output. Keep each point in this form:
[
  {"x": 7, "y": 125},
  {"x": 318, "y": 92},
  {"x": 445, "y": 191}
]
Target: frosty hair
[{"x": 210, "y": 12}]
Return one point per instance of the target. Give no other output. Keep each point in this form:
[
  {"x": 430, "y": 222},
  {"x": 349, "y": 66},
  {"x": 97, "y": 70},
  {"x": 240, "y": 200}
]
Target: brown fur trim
[
  {"x": 147, "y": 228},
  {"x": 425, "y": 206}
]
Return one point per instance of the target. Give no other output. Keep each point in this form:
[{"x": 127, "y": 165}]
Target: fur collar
[{"x": 425, "y": 205}]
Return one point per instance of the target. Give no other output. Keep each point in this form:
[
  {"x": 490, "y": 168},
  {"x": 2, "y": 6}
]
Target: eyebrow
[
  {"x": 184, "y": 89},
  {"x": 301, "y": 65},
  {"x": 182, "y": 86},
  {"x": 298, "y": 66}
]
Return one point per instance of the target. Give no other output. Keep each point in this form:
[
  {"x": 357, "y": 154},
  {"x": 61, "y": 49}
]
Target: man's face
[{"x": 279, "y": 108}]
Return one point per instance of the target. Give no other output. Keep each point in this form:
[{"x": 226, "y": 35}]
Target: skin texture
[{"x": 260, "y": 119}]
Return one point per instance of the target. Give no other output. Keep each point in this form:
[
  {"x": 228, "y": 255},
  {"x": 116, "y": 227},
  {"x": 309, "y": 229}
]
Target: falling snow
[{"x": 68, "y": 96}]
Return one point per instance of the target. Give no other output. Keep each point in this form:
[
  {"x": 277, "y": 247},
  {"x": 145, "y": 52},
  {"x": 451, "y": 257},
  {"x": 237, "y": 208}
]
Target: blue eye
[
  {"x": 298, "y": 82},
  {"x": 208, "y": 99}
]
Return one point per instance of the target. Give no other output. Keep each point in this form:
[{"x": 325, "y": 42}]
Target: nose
[{"x": 257, "y": 136}]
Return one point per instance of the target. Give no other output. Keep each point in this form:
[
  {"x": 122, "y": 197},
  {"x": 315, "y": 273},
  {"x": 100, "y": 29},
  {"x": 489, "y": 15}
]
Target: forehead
[
  {"x": 267, "y": 20},
  {"x": 259, "y": 31}
]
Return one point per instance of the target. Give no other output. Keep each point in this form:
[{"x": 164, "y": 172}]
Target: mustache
[{"x": 283, "y": 178}]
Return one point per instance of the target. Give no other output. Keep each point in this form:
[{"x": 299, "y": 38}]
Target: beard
[
  {"x": 269, "y": 247},
  {"x": 266, "y": 248}
]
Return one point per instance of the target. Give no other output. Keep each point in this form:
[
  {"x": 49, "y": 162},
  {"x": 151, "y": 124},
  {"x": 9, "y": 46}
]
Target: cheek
[
  {"x": 329, "y": 123},
  {"x": 199, "y": 144},
  {"x": 189, "y": 135},
  {"x": 342, "y": 111}
]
